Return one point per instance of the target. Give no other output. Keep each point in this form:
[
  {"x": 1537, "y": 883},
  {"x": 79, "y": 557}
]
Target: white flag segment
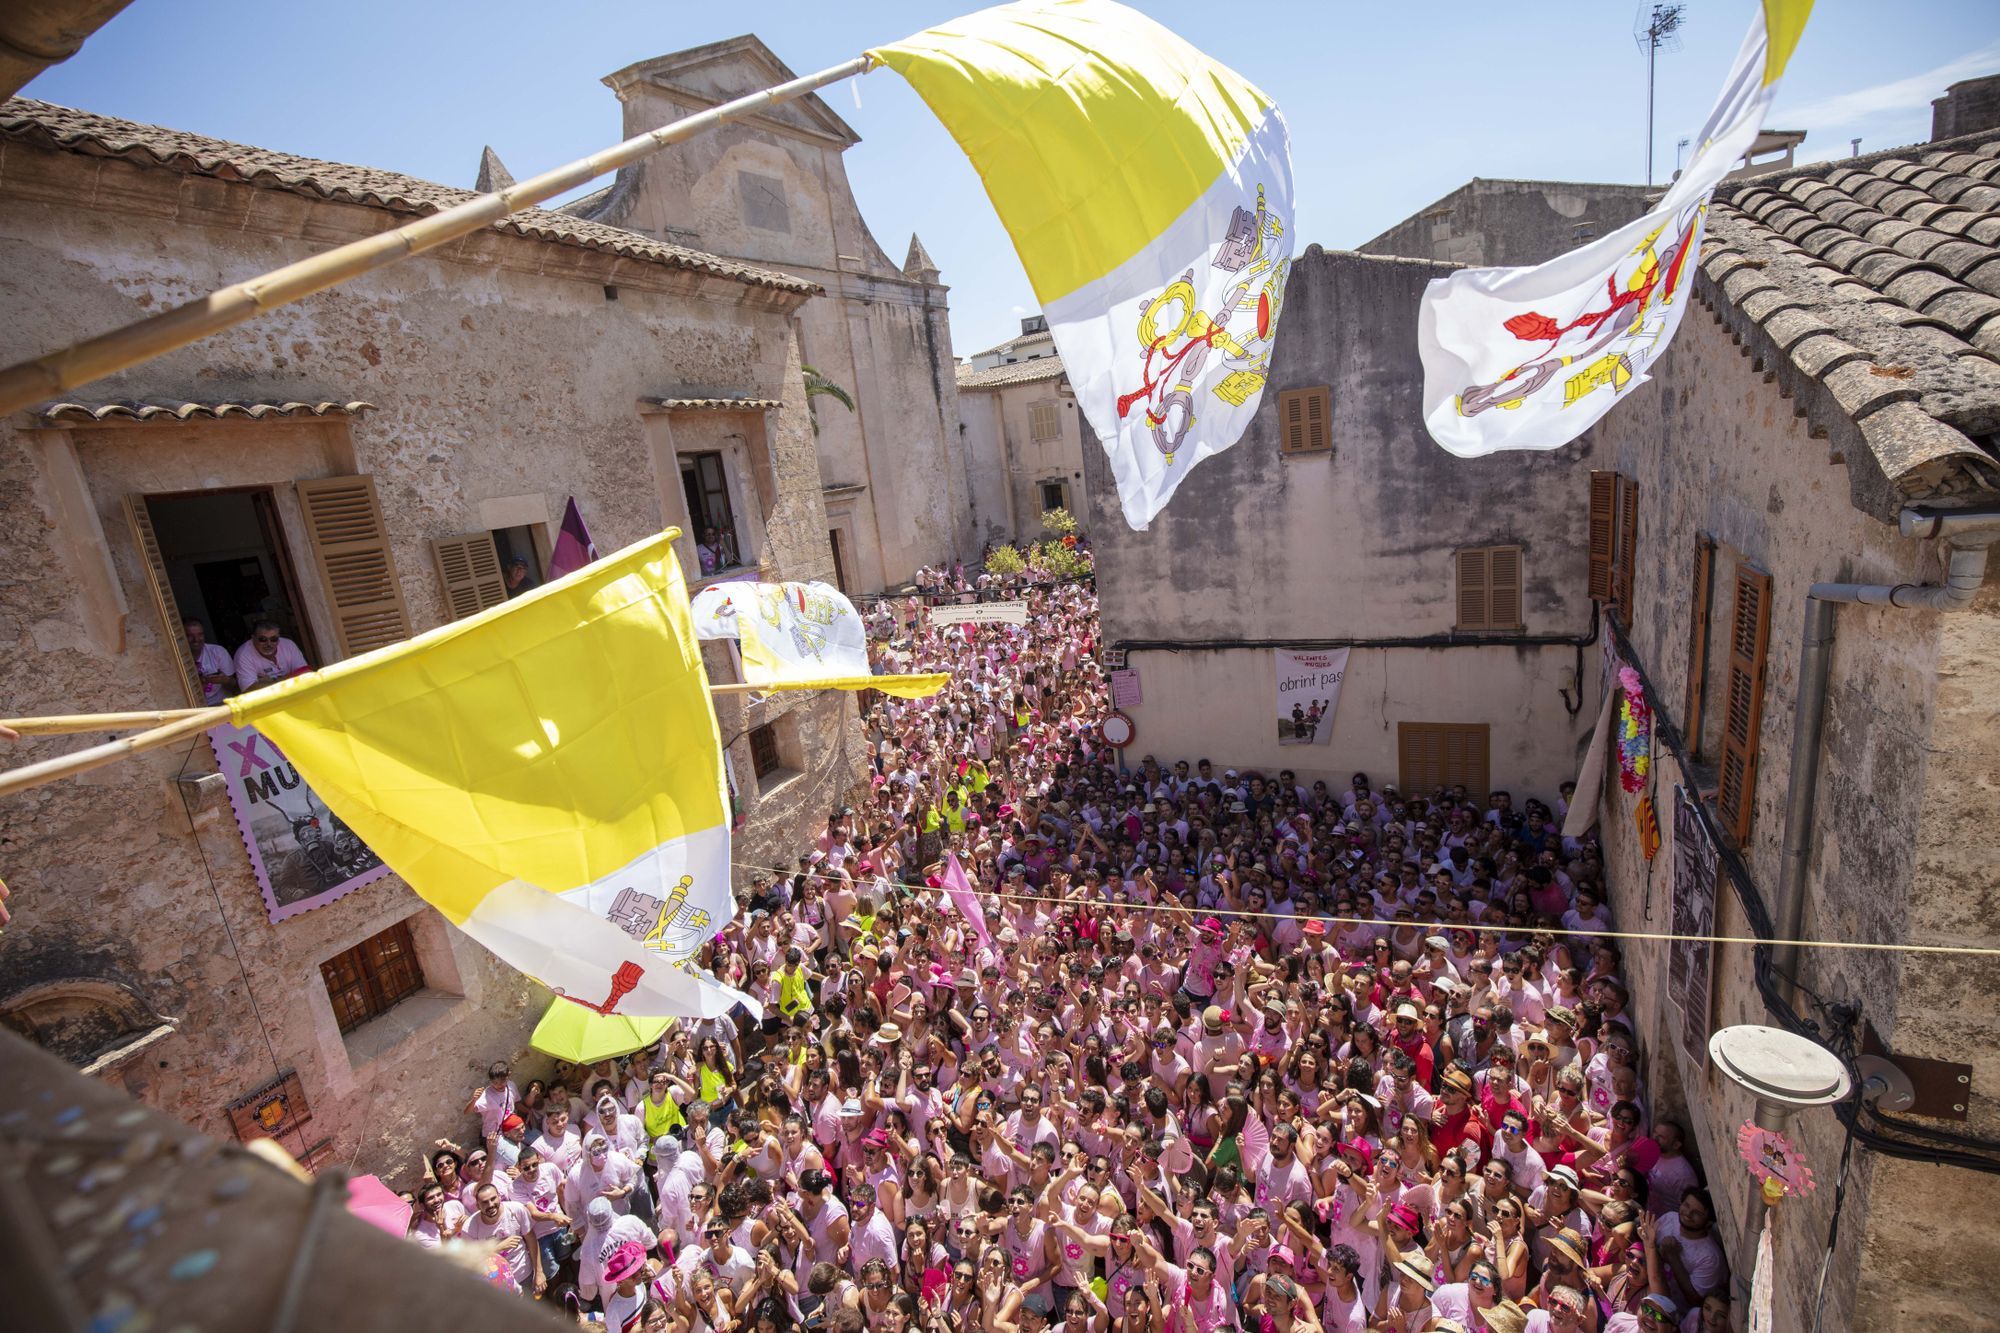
[
  {"x": 799, "y": 636},
  {"x": 1530, "y": 358},
  {"x": 1148, "y": 192}
]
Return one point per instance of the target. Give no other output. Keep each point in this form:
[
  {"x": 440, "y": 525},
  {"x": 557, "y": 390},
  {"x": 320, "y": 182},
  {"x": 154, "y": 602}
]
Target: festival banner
[
  {"x": 798, "y": 636},
  {"x": 302, "y": 853},
  {"x": 1148, "y": 191},
  {"x": 981, "y": 613},
  {"x": 1690, "y": 965},
  {"x": 1308, "y": 692}
]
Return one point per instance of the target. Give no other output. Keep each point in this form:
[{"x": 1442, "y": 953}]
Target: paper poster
[
  {"x": 1125, "y": 689},
  {"x": 981, "y": 613},
  {"x": 1690, "y": 966},
  {"x": 303, "y": 856},
  {"x": 1308, "y": 692}
]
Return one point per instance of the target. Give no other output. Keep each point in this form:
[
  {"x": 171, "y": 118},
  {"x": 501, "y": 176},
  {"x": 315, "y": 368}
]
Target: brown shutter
[
  {"x": 1420, "y": 757},
  {"x": 1603, "y": 532},
  {"x": 1472, "y": 585},
  {"x": 1303, "y": 427},
  {"x": 1697, "y": 672},
  {"x": 1628, "y": 540},
  {"x": 173, "y": 634},
  {"x": 1443, "y": 754},
  {"x": 1749, "y": 640},
  {"x": 1503, "y": 587},
  {"x": 351, "y": 546},
  {"x": 1466, "y": 755},
  {"x": 470, "y": 568}
]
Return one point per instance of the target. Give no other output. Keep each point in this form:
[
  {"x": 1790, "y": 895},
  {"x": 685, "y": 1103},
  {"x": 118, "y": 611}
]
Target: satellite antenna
[{"x": 1656, "y": 29}]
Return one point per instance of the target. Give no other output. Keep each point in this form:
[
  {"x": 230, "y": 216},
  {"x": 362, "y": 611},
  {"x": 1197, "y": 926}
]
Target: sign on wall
[
  {"x": 1690, "y": 966},
  {"x": 1125, "y": 688},
  {"x": 981, "y": 613},
  {"x": 1308, "y": 692},
  {"x": 303, "y": 855},
  {"x": 276, "y": 1109}
]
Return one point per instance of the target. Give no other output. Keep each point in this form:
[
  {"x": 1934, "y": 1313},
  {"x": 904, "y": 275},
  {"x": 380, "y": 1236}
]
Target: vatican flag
[
  {"x": 800, "y": 636},
  {"x": 1530, "y": 358},
  {"x": 1148, "y": 192},
  {"x": 547, "y": 774}
]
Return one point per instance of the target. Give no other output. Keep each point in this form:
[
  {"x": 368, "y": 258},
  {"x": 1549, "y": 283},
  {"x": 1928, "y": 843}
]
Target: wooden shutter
[
  {"x": 1603, "y": 532},
  {"x": 1444, "y": 754},
  {"x": 1419, "y": 757},
  {"x": 1628, "y": 540},
  {"x": 1503, "y": 587},
  {"x": 1749, "y": 641},
  {"x": 351, "y": 547},
  {"x": 173, "y": 633},
  {"x": 1303, "y": 422},
  {"x": 1697, "y": 672},
  {"x": 1466, "y": 758},
  {"x": 1473, "y": 580},
  {"x": 470, "y": 568}
]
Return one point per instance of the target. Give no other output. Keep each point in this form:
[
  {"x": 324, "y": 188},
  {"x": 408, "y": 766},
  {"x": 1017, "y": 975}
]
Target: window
[
  {"x": 1443, "y": 754},
  {"x": 711, "y": 512},
  {"x": 1044, "y": 421},
  {"x": 1743, "y": 702},
  {"x": 479, "y": 568},
  {"x": 373, "y": 977},
  {"x": 764, "y": 751},
  {"x": 839, "y": 559},
  {"x": 1614, "y": 533},
  {"x": 1699, "y": 605},
  {"x": 1489, "y": 588},
  {"x": 218, "y": 558},
  {"x": 1304, "y": 420},
  {"x": 1055, "y": 495}
]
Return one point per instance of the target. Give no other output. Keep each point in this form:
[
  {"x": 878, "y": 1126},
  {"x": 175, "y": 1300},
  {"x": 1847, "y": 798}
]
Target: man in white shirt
[
  {"x": 508, "y": 1222},
  {"x": 559, "y": 1143},
  {"x": 1688, "y": 1246},
  {"x": 212, "y": 663},
  {"x": 267, "y": 656}
]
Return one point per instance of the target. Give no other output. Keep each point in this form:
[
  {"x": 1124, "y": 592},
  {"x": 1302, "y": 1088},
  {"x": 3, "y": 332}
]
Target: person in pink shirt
[{"x": 507, "y": 1222}]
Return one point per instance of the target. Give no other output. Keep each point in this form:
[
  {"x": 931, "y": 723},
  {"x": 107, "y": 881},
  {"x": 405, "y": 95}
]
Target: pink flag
[
  {"x": 574, "y": 549},
  {"x": 963, "y": 898}
]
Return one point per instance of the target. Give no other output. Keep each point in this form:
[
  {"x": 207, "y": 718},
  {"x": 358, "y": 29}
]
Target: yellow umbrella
[{"x": 568, "y": 1031}]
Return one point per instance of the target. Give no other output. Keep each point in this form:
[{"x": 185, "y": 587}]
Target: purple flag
[
  {"x": 963, "y": 898},
  {"x": 574, "y": 549}
]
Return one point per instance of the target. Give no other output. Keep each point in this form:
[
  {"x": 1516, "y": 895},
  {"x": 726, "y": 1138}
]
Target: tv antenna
[{"x": 1656, "y": 29}]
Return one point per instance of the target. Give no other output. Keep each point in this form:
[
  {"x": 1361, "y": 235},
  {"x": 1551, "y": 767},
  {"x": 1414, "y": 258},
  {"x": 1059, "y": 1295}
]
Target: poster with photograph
[
  {"x": 1308, "y": 692},
  {"x": 1690, "y": 965},
  {"x": 303, "y": 855}
]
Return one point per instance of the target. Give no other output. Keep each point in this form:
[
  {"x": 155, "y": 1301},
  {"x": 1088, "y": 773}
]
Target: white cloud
[{"x": 1900, "y": 95}]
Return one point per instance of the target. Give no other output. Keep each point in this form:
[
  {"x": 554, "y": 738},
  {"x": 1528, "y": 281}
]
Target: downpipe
[{"x": 1970, "y": 533}]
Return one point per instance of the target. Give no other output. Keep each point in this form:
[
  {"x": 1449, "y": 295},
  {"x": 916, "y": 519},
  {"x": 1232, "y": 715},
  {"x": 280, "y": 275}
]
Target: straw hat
[
  {"x": 1506, "y": 1317},
  {"x": 1417, "y": 1273},
  {"x": 1571, "y": 1246}
]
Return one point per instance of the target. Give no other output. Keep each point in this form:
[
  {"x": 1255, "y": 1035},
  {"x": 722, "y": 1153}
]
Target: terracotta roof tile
[
  {"x": 25, "y": 120},
  {"x": 1020, "y": 372},
  {"x": 1871, "y": 287},
  {"x": 55, "y": 414}
]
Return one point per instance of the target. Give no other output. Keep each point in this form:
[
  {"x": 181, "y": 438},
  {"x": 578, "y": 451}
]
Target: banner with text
[
  {"x": 981, "y": 613},
  {"x": 303, "y": 855},
  {"x": 1308, "y": 692}
]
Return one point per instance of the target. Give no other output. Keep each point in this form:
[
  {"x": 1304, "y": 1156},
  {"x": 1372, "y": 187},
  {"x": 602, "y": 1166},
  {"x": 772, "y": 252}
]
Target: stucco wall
[
  {"x": 492, "y": 379},
  {"x": 1006, "y": 465},
  {"x": 773, "y": 190},
  {"x": 1901, "y": 850},
  {"x": 1356, "y": 546},
  {"x": 1510, "y": 222}
]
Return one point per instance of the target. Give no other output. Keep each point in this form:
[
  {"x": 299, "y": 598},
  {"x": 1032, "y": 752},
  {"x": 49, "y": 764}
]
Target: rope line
[{"x": 1655, "y": 936}]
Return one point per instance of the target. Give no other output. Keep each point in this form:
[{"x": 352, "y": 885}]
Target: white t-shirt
[
  {"x": 254, "y": 669},
  {"x": 1700, "y": 1261},
  {"x": 428, "y": 1234},
  {"x": 513, "y": 1222},
  {"x": 213, "y": 660}
]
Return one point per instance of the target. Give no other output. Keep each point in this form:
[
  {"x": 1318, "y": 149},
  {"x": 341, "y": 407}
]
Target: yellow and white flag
[
  {"x": 1148, "y": 191},
  {"x": 1530, "y": 358},
  {"x": 800, "y": 636},
  {"x": 547, "y": 774}
]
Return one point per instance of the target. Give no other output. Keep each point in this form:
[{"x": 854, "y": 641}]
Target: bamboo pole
[
  {"x": 32, "y": 381},
  {"x": 66, "y": 724},
  {"x": 97, "y": 756}
]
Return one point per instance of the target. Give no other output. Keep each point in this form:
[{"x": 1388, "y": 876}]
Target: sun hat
[
  {"x": 875, "y": 1138},
  {"x": 1211, "y": 1018},
  {"x": 1360, "y": 1148},
  {"x": 852, "y": 1106},
  {"x": 1564, "y": 1175},
  {"x": 1664, "y": 1304},
  {"x": 1417, "y": 1273},
  {"x": 1283, "y": 1254},
  {"x": 1506, "y": 1317},
  {"x": 1404, "y": 1216},
  {"x": 1571, "y": 1246},
  {"x": 624, "y": 1262}
]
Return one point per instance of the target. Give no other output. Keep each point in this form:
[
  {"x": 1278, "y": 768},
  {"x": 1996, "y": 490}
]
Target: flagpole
[{"x": 30, "y": 382}]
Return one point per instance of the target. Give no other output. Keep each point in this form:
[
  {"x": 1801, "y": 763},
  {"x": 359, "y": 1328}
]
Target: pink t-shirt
[{"x": 512, "y": 1223}]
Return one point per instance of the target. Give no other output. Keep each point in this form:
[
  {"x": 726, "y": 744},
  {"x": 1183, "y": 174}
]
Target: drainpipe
[{"x": 1970, "y": 533}]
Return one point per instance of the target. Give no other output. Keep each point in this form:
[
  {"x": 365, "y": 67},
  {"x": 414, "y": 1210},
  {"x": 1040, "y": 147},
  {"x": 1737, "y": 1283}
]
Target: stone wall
[
  {"x": 1006, "y": 465},
  {"x": 1902, "y": 850},
  {"x": 1511, "y": 222},
  {"x": 503, "y": 379},
  {"x": 1967, "y": 107},
  {"x": 1356, "y": 545}
]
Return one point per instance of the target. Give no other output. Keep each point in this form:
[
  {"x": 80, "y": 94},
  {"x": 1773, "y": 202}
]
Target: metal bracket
[{"x": 1940, "y": 1089}]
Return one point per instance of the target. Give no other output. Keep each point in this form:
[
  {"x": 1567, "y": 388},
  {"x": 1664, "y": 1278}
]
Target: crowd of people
[{"x": 1053, "y": 1035}]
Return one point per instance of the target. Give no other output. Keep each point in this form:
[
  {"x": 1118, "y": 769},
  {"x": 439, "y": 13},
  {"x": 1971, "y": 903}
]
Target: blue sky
[{"x": 1390, "y": 106}]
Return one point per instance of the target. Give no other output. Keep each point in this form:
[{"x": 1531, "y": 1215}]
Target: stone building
[
  {"x": 1834, "y": 394},
  {"x": 1023, "y": 437},
  {"x": 1510, "y": 221},
  {"x": 358, "y": 466},
  {"x": 1335, "y": 521},
  {"x": 772, "y": 191}
]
